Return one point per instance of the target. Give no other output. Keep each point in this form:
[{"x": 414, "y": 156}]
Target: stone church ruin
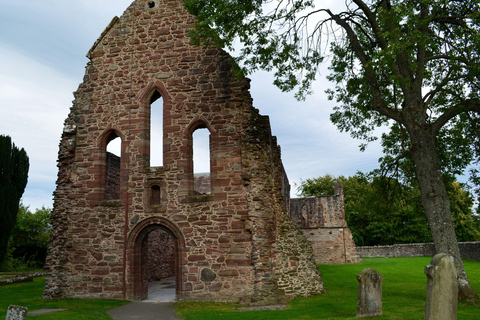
[{"x": 122, "y": 220}]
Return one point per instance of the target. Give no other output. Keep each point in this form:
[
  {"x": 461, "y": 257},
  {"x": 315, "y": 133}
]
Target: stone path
[
  {"x": 158, "y": 306},
  {"x": 145, "y": 311},
  {"x": 40, "y": 312}
]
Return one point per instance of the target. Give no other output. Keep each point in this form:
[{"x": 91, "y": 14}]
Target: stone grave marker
[
  {"x": 442, "y": 288},
  {"x": 369, "y": 303},
  {"x": 16, "y": 313}
]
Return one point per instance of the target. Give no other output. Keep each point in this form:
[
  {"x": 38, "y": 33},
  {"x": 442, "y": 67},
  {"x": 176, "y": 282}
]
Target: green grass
[
  {"x": 404, "y": 290},
  {"x": 30, "y": 295}
]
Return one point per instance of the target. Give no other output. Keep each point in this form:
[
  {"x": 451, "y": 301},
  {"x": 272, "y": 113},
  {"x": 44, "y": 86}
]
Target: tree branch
[
  {"x": 468, "y": 105},
  {"x": 378, "y": 104},
  {"x": 372, "y": 21}
]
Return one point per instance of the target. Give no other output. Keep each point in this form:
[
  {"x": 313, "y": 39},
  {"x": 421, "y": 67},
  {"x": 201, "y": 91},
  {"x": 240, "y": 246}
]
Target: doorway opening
[
  {"x": 160, "y": 265},
  {"x": 156, "y": 246}
]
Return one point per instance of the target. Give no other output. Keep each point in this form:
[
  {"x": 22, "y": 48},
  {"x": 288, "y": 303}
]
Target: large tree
[
  {"x": 411, "y": 65},
  {"x": 13, "y": 180}
]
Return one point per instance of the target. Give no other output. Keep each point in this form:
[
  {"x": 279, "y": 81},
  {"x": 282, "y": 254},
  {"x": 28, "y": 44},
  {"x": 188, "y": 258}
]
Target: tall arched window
[
  {"x": 112, "y": 167},
  {"x": 156, "y": 130},
  {"x": 201, "y": 161}
]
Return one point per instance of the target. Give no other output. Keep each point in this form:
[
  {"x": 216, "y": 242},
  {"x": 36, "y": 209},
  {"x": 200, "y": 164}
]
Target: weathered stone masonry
[
  {"x": 161, "y": 255},
  {"x": 236, "y": 243},
  {"x": 322, "y": 220},
  {"x": 468, "y": 250}
]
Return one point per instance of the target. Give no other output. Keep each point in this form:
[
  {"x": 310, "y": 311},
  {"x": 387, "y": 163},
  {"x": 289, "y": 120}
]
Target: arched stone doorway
[{"x": 151, "y": 260}]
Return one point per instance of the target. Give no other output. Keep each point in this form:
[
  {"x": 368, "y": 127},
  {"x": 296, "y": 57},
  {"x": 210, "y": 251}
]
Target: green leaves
[
  {"x": 467, "y": 227},
  {"x": 271, "y": 35},
  {"x": 30, "y": 237},
  {"x": 13, "y": 180},
  {"x": 406, "y": 61},
  {"x": 384, "y": 211},
  {"x": 408, "y": 66}
]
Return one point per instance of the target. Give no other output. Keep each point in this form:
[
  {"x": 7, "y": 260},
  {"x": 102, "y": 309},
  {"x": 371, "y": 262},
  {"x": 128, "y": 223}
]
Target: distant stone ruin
[
  {"x": 322, "y": 220},
  {"x": 120, "y": 219}
]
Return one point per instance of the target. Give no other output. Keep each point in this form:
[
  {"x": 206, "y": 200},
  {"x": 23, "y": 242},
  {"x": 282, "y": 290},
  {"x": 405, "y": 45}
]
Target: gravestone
[
  {"x": 16, "y": 313},
  {"x": 442, "y": 288},
  {"x": 369, "y": 303}
]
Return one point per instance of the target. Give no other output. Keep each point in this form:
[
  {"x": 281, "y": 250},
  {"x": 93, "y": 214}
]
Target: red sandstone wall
[
  {"x": 233, "y": 244},
  {"x": 322, "y": 220},
  {"x": 281, "y": 254},
  {"x": 202, "y": 184},
  {"x": 112, "y": 185},
  {"x": 161, "y": 255},
  {"x": 333, "y": 245}
]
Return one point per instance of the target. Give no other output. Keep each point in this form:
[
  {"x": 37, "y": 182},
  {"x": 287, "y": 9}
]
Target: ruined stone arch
[
  {"x": 198, "y": 122},
  {"x": 137, "y": 284},
  {"x": 108, "y": 134},
  {"x": 147, "y": 93}
]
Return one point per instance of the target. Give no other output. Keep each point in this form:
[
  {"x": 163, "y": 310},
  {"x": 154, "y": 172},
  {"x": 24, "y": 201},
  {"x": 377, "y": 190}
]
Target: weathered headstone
[
  {"x": 16, "y": 313},
  {"x": 442, "y": 288},
  {"x": 369, "y": 303}
]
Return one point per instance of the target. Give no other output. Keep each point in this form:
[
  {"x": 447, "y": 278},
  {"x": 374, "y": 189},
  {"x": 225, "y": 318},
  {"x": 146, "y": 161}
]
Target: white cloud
[
  {"x": 33, "y": 105},
  {"x": 42, "y": 58},
  {"x": 311, "y": 145}
]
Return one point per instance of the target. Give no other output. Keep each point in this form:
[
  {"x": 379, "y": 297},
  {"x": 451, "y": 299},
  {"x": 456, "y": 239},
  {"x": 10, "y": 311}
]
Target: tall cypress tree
[{"x": 13, "y": 180}]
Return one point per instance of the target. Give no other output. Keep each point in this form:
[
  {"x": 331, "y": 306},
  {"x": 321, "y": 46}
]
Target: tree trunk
[{"x": 437, "y": 204}]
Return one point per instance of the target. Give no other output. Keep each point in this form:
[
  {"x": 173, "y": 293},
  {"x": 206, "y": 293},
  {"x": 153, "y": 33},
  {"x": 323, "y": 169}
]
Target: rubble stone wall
[
  {"x": 161, "y": 255},
  {"x": 468, "y": 250},
  {"x": 112, "y": 185},
  {"x": 202, "y": 184},
  {"x": 322, "y": 220},
  {"x": 231, "y": 244},
  {"x": 279, "y": 246}
]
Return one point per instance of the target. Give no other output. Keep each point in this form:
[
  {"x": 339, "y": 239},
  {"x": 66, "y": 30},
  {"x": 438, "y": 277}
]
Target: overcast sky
[{"x": 42, "y": 61}]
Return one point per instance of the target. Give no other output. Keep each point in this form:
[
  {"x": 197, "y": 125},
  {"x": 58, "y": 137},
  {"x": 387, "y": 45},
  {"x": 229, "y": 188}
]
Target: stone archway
[{"x": 138, "y": 255}]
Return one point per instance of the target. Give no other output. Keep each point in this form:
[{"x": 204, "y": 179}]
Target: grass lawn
[
  {"x": 404, "y": 290},
  {"x": 30, "y": 295}
]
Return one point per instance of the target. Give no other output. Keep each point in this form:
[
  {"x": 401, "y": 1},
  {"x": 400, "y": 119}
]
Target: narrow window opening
[
  {"x": 156, "y": 130},
  {"x": 201, "y": 161},
  {"x": 155, "y": 195},
  {"x": 112, "y": 175},
  {"x": 151, "y": 4}
]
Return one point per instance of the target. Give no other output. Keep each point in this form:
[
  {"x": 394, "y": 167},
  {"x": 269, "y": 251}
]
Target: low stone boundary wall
[
  {"x": 468, "y": 250},
  {"x": 19, "y": 277}
]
